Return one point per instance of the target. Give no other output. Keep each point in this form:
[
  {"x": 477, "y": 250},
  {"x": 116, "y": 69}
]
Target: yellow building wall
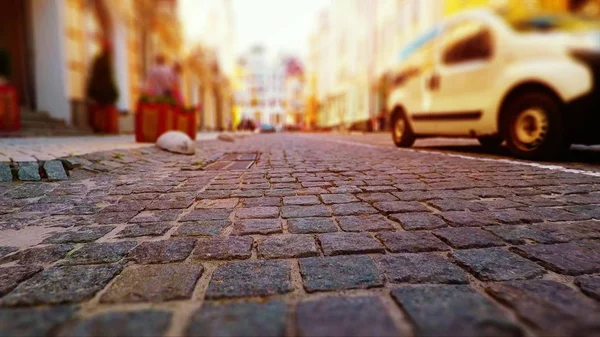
[
  {"x": 75, "y": 48},
  {"x": 514, "y": 8}
]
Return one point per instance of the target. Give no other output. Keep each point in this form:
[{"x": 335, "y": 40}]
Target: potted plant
[
  {"x": 103, "y": 93},
  {"x": 9, "y": 103},
  {"x": 154, "y": 116}
]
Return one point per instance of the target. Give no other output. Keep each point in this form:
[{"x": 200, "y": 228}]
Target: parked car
[
  {"x": 266, "y": 128},
  {"x": 535, "y": 86}
]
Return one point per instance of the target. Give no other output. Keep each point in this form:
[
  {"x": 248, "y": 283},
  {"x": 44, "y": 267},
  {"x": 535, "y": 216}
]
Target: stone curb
[{"x": 43, "y": 170}]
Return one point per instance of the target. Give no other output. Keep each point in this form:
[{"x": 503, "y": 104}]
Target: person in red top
[{"x": 160, "y": 79}]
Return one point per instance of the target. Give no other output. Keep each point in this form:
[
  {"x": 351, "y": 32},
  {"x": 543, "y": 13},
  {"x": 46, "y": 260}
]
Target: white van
[{"x": 477, "y": 75}]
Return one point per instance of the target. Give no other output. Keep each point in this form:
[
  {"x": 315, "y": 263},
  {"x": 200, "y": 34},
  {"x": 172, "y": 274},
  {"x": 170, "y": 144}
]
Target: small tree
[{"x": 102, "y": 88}]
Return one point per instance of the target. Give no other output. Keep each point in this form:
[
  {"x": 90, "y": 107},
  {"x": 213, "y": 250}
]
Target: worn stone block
[
  {"x": 250, "y": 279},
  {"x": 10, "y": 277},
  {"x": 165, "y": 251},
  {"x": 589, "y": 285},
  {"x": 468, "y": 237},
  {"x": 287, "y": 246},
  {"x": 54, "y": 170},
  {"x": 104, "y": 252},
  {"x": 497, "y": 264},
  {"x": 311, "y": 225},
  {"x": 344, "y": 316},
  {"x": 301, "y": 200},
  {"x": 114, "y": 218},
  {"x": 33, "y": 321},
  {"x": 349, "y": 243},
  {"x": 353, "y": 208},
  {"x": 305, "y": 211},
  {"x": 375, "y": 197},
  {"x": 5, "y": 172},
  {"x": 416, "y": 221},
  {"x": 148, "y": 323},
  {"x": 338, "y": 273},
  {"x": 548, "y": 232},
  {"x": 469, "y": 219},
  {"x": 573, "y": 258},
  {"x": 421, "y": 268},
  {"x": 554, "y": 308},
  {"x": 5, "y": 250},
  {"x": 82, "y": 234},
  {"x": 239, "y": 319},
  {"x": 62, "y": 284},
  {"x": 445, "y": 205},
  {"x": 329, "y": 199},
  {"x": 257, "y": 226},
  {"x": 411, "y": 242},
  {"x": 389, "y": 207},
  {"x": 153, "y": 283},
  {"x": 364, "y": 223},
  {"x": 28, "y": 171},
  {"x": 453, "y": 310},
  {"x": 223, "y": 248},
  {"x": 156, "y": 216},
  {"x": 39, "y": 255},
  {"x": 261, "y": 201},
  {"x": 515, "y": 216},
  {"x": 257, "y": 212},
  {"x": 144, "y": 229},
  {"x": 229, "y": 203},
  {"x": 202, "y": 228}
]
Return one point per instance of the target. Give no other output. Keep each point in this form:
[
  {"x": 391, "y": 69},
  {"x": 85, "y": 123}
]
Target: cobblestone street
[{"x": 302, "y": 235}]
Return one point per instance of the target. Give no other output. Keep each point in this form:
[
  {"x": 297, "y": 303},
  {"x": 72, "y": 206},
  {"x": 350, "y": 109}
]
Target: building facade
[
  {"x": 261, "y": 94},
  {"x": 57, "y": 41}
]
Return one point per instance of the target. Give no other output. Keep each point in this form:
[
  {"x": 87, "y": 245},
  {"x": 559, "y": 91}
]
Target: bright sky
[{"x": 279, "y": 25}]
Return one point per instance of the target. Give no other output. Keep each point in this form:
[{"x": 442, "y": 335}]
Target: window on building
[{"x": 467, "y": 41}]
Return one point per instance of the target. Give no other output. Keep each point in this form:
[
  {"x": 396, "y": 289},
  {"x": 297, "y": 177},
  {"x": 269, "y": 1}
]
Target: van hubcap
[
  {"x": 530, "y": 128},
  {"x": 399, "y": 129}
]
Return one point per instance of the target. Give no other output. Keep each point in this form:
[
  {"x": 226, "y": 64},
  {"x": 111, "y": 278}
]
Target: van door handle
[{"x": 433, "y": 83}]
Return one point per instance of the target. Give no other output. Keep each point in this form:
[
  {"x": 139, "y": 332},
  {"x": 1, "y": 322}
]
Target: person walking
[{"x": 161, "y": 79}]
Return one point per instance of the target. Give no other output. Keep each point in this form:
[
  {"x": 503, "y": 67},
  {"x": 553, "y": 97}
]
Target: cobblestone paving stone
[{"x": 316, "y": 238}]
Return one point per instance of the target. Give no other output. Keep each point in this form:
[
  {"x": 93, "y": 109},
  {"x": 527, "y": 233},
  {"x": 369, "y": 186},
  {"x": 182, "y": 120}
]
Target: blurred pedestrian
[{"x": 160, "y": 79}]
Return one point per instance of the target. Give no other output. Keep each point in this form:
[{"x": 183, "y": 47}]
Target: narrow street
[{"x": 295, "y": 234}]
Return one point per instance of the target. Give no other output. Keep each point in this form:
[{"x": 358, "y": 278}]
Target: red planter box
[
  {"x": 187, "y": 122},
  {"x": 152, "y": 120},
  {"x": 104, "y": 119},
  {"x": 9, "y": 108}
]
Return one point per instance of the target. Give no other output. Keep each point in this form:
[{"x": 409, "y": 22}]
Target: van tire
[
  {"x": 402, "y": 133},
  {"x": 534, "y": 130}
]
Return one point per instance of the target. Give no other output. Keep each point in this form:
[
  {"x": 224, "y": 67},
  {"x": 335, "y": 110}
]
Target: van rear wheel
[
  {"x": 402, "y": 133},
  {"x": 535, "y": 126}
]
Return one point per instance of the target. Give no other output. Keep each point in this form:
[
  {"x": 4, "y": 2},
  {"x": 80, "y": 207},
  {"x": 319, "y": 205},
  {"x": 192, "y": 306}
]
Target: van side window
[{"x": 466, "y": 41}]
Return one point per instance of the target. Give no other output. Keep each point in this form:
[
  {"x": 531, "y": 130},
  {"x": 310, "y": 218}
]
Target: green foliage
[
  {"x": 162, "y": 99},
  {"x": 5, "y": 63},
  {"x": 101, "y": 86},
  {"x": 166, "y": 99}
]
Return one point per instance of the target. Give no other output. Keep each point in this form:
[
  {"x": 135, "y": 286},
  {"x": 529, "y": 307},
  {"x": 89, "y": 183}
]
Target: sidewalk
[{"x": 48, "y": 148}]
